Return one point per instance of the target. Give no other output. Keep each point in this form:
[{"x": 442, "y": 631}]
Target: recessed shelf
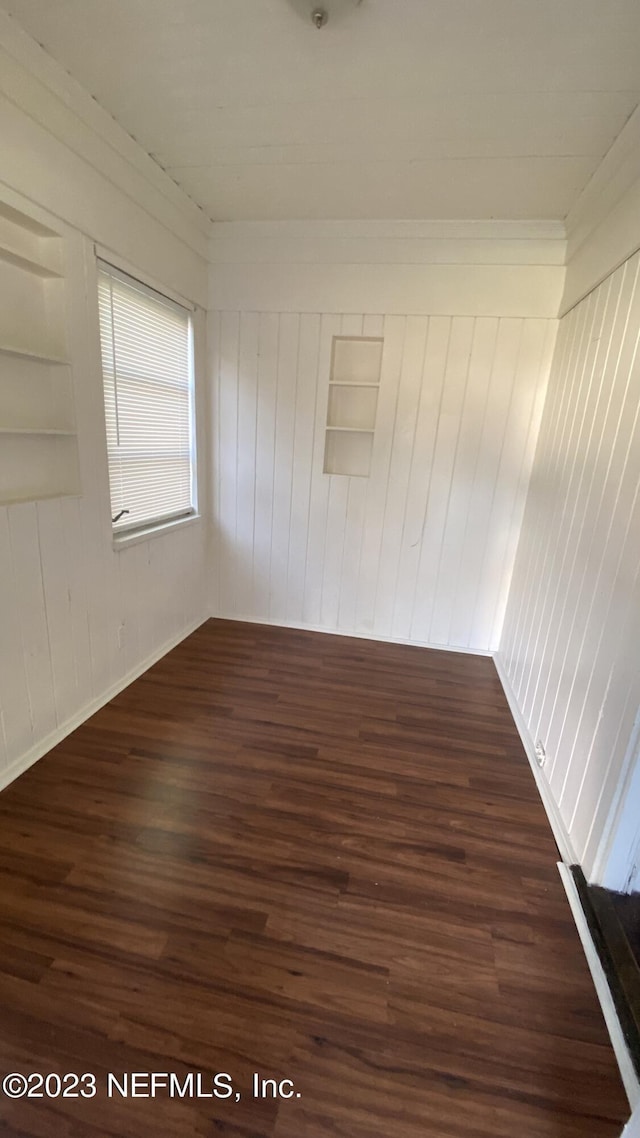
[
  {"x": 352, "y": 408},
  {"x": 348, "y": 452},
  {"x": 38, "y": 357},
  {"x": 38, "y": 442},
  {"x": 356, "y": 360}
]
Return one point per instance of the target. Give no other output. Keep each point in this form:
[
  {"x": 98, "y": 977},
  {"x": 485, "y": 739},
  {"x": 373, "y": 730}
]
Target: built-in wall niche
[
  {"x": 353, "y": 402},
  {"x": 38, "y": 445}
]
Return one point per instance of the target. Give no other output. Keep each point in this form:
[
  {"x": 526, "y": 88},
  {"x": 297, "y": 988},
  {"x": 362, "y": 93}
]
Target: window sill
[{"x": 135, "y": 537}]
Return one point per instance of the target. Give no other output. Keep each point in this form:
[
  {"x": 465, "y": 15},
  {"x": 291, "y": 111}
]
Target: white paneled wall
[
  {"x": 77, "y": 618},
  {"x": 572, "y": 629},
  {"x": 65, "y": 599},
  {"x": 421, "y": 550}
]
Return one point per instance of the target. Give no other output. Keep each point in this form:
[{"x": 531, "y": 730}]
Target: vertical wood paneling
[
  {"x": 268, "y": 336},
  {"x": 246, "y": 457},
  {"x": 25, "y": 547},
  {"x": 536, "y": 366},
  {"x": 286, "y": 394},
  {"x": 336, "y": 566},
  {"x": 485, "y": 395},
  {"x": 14, "y": 699},
  {"x": 441, "y": 476},
  {"x": 227, "y": 469},
  {"x": 448, "y": 606},
  {"x": 426, "y": 432},
  {"x": 422, "y": 549},
  {"x": 76, "y": 617},
  {"x": 350, "y": 524},
  {"x": 303, "y": 443},
  {"x": 330, "y": 326},
  {"x": 395, "y": 498},
  {"x": 516, "y": 456},
  {"x": 57, "y": 602},
  {"x": 572, "y": 624},
  {"x": 377, "y": 484}
]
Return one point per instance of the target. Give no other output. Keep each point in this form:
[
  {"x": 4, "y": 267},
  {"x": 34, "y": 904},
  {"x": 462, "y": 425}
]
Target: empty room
[{"x": 319, "y": 568}]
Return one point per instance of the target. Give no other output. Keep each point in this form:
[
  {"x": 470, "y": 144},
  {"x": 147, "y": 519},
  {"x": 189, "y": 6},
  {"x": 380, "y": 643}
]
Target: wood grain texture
[{"x": 313, "y": 857}]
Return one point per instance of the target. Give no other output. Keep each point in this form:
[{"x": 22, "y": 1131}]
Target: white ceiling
[{"x": 397, "y": 109}]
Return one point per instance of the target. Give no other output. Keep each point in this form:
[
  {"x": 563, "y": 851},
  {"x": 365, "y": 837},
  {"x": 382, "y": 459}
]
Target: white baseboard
[
  {"x": 632, "y": 1129},
  {"x": 568, "y": 854},
  {"x": 625, "y": 1063},
  {"x": 347, "y": 632},
  {"x": 21, "y": 764},
  {"x": 560, "y": 832}
]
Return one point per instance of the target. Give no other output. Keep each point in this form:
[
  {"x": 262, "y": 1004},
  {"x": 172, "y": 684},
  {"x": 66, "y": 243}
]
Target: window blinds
[{"x": 146, "y": 362}]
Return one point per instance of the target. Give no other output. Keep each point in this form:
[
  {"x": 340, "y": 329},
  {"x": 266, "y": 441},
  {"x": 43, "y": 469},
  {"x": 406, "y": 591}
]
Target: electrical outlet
[
  {"x": 541, "y": 754},
  {"x": 122, "y": 636}
]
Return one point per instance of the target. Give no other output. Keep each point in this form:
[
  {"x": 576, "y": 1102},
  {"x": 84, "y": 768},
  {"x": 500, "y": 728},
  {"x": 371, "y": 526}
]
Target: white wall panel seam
[
  {"x": 341, "y": 553},
  {"x": 598, "y": 511}
]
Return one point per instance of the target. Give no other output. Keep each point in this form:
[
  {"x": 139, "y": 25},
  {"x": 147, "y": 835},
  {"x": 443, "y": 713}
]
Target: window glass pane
[{"x": 146, "y": 363}]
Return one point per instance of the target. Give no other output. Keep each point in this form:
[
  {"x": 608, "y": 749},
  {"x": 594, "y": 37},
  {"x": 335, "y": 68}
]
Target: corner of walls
[
  {"x": 569, "y": 643},
  {"x": 603, "y": 227},
  {"x": 57, "y": 734},
  {"x": 421, "y": 551},
  {"x": 556, "y": 821},
  {"x": 78, "y": 619},
  {"x": 566, "y": 651},
  {"x": 64, "y": 152},
  {"x": 474, "y": 268}
]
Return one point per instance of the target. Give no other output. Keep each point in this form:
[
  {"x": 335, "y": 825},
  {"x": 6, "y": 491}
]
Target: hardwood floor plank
[{"x": 309, "y": 857}]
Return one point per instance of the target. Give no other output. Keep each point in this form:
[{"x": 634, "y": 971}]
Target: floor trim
[
  {"x": 560, "y": 832},
  {"x": 568, "y": 855},
  {"x": 349, "y": 633},
  {"x": 616, "y": 956},
  {"x": 618, "y": 1042},
  {"x": 632, "y": 1129},
  {"x": 21, "y": 764}
]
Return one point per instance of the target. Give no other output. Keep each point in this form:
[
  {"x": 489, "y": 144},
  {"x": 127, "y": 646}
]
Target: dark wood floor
[
  {"x": 311, "y": 857},
  {"x": 627, "y": 906}
]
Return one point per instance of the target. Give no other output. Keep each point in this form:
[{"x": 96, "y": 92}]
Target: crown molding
[
  {"x": 612, "y": 179},
  {"x": 603, "y": 228}
]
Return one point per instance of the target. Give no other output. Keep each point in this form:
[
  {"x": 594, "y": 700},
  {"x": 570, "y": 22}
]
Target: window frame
[{"x": 135, "y": 532}]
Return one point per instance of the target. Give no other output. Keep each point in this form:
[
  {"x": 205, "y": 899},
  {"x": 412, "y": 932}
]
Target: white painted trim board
[
  {"x": 347, "y": 633},
  {"x": 627, "y": 1071},
  {"x": 560, "y": 832},
  {"x": 563, "y": 841},
  {"x": 632, "y": 1129}
]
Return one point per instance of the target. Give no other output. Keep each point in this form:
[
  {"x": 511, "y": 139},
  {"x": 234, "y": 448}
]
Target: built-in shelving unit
[
  {"x": 34, "y": 431},
  {"x": 38, "y": 443},
  {"x": 6, "y": 350},
  {"x": 356, "y": 364}
]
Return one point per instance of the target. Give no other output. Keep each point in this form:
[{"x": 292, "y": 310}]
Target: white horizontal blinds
[{"x": 146, "y": 361}]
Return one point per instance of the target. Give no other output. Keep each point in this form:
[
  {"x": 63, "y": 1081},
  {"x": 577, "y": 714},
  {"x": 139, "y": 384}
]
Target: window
[{"x": 146, "y": 342}]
